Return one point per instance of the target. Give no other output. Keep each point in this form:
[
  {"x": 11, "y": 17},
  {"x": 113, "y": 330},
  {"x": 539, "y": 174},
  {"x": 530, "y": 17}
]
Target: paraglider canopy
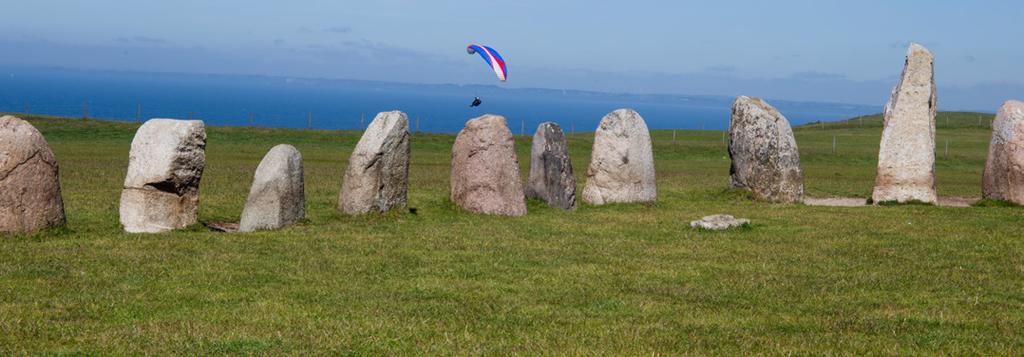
[{"x": 492, "y": 58}]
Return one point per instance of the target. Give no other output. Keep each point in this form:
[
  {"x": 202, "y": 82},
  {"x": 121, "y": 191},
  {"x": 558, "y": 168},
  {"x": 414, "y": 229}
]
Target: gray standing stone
[
  {"x": 1003, "y": 178},
  {"x": 29, "y": 180},
  {"x": 765, "y": 159},
  {"x": 377, "y": 178},
  {"x": 551, "y": 176},
  {"x": 277, "y": 197},
  {"x": 485, "y": 170},
  {"x": 906, "y": 157},
  {"x": 165, "y": 164},
  {"x": 622, "y": 163}
]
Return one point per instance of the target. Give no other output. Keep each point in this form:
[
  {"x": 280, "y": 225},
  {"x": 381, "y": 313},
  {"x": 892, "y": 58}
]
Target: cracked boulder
[
  {"x": 277, "y": 197},
  {"x": 165, "y": 164},
  {"x": 765, "y": 159},
  {"x": 377, "y": 178},
  {"x": 485, "y": 171},
  {"x": 551, "y": 178},
  {"x": 621, "y": 163},
  {"x": 906, "y": 155},
  {"x": 29, "y": 181}
]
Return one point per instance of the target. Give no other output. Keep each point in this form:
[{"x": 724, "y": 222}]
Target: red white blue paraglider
[{"x": 494, "y": 60}]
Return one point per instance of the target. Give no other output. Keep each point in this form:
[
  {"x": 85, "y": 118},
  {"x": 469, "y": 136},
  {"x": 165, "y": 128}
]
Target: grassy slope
[{"x": 621, "y": 279}]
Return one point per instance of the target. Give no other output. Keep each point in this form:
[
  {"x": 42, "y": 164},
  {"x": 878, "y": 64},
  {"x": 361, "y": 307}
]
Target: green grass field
[{"x": 609, "y": 280}]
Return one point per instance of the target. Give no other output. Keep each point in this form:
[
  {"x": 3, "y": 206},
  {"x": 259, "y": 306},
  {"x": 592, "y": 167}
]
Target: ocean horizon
[{"x": 287, "y": 102}]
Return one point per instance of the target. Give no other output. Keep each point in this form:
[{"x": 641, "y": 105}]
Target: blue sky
[{"x": 836, "y": 51}]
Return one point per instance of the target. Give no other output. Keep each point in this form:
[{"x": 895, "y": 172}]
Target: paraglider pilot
[{"x": 476, "y": 102}]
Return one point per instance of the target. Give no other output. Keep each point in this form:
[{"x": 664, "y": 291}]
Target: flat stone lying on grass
[
  {"x": 277, "y": 197},
  {"x": 30, "y": 197},
  {"x": 377, "y": 177},
  {"x": 836, "y": 201},
  {"x": 950, "y": 201},
  {"x": 165, "y": 164},
  {"x": 719, "y": 222}
]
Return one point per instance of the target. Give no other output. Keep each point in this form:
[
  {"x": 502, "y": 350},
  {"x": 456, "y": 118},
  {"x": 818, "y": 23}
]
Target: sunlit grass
[{"x": 619, "y": 279}]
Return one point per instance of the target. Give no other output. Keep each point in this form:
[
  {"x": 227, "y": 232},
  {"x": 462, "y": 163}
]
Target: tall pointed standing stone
[
  {"x": 1003, "y": 178},
  {"x": 277, "y": 197},
  {"x": 906, "y": 157},
  {"x": 622, "y": 162},
  {"x": 165, "y": 164},
  {"x": 377, "y": 178},
  {"x": 485, "y": 171},
  {"x": 551, "y": 176},
  {"x": 29, "y": 180},
  {"x": 765, "y": 159}
]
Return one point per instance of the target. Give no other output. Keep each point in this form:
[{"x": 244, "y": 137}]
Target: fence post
[
  {"x": 85, "y": 109},
  {"x": 362, "y": 119},
  {"x": 673, "y": 136},
  {"x": 522, "y": 127},
  {"x": 833, "y": 144}
]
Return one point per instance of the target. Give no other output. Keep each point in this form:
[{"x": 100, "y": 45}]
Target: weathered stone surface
[
  {"x": 377, "y": 178},
  {"x": 906, "y": 157},
  {"x": 485, "y": 170},
  {"x": 277, "y": 197},
  {"x": 719, "y": 222},
  {"x": 1003, "y": 178},
  {"x": 165, "y": 164},
  {"x": 765, "y": 159},
  {"x": 622, "y": 163},
  {"x": 29, "y": 180},
  {"x": 551, "y": 176}
]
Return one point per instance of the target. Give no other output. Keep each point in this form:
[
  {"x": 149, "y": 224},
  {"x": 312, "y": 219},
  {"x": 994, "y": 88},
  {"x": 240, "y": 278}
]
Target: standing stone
[
  {"x": 277, "y": 197},
  {"x": 485, "y": 170},
  {"x": 161, "y": 189},
  {"x": 1004, "y": 170},
  {"x": 551, "y": 176},
  {"x": 622, "y": 163},
  {"x": 377, "y": 178},
  {"x": 906, "y": 158},
  {"x": 765, "y": 159},
  {"x": 29, "y": 180}
]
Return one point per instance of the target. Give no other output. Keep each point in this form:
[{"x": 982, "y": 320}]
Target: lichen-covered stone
[
  {"x": 485, "y": 170},
  {"x": 377, "y": 178},
  {"x": 165, "y": 164},
  {"x": 30, "y": 198},
  {"x": 551, "y": 178},
  {"x": 765, "y": 159},
  {"x": 622, "y": 162},
  {"x": 906, "y": 156},
  {"x": 277, "y": 197},
  {"x": 1003, "y": 178}
]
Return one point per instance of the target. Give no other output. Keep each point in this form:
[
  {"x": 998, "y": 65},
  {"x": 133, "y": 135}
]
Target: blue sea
[{"x": 347, "y": 104}]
